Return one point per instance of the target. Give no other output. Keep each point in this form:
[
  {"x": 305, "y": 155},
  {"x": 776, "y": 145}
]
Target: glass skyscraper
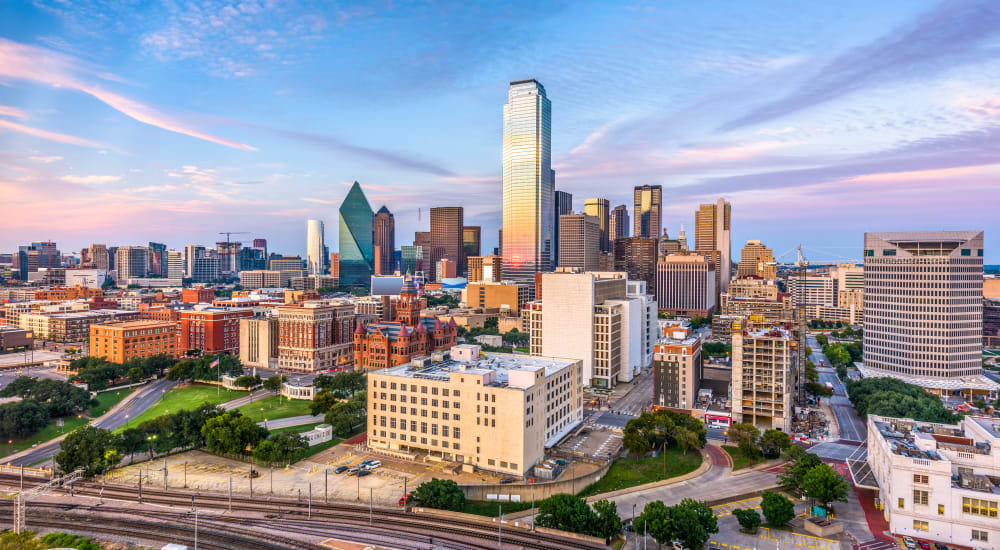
[
  {"x": 357, "y": 257},
  {"x": 647, "y": 211},
  {"x": 528, "y": 220},
  {"x": 315, "y": 258}
]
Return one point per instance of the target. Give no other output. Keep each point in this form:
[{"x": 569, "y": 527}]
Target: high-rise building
[
  {"x": 315, "y": 244},
  {"x": 423, "y": 240},
  {"x": 646, "y": 211},
  {"x": 485, "y": 268},
  {"x": 711, "y": 232},
  {"x": 211, "y": 329},
  {"x": 812, "y": 290},
  {"x": 411, "y": 259},
  {"x": 763, "y": 384},
  {"x": 229, "y": 255},
  {"x": 447, "y": 224},
  {"x": 335, "y": 265},
  {"x": 118, "y": 342},
  {"x": 206, "y": 269},
  {"x": 261, "y": 244},
  {"x": 357, "y": 256},
  {"x": 677, "y": 371},
  {"x": 618, "y": 224},
  {"x": 991, "y": 322},
  {"x": 757, "y": 260},
  {"x": 191, "y": 253},
  {"x": 528, "y": 189},
  {"x": 99, "y": 256},
  {"x": 579, "y": 241},
  {"x": 472, "y": 236},
  {"x": 258, "y": 341},
  {"x": 562, "y": 203},
  {"x": 157, "y": 259},
  {"x": 600, "y": 210},
  {"x": 175, "y": 264},
  {"x": 445, "y": 269},
  {"x": 685, "y": 285},
  {"x": 131, "y": 262},
  {"x": 924, "y": 308},
  {"x": 850, "y": 285},
  {"x": 682, "y": 238},
  {"x": 314, "y": 336},
  {"x": 637, "y": 257},
  {"x": 384, "y": 241},
  {"x": 508, "y": 296}
]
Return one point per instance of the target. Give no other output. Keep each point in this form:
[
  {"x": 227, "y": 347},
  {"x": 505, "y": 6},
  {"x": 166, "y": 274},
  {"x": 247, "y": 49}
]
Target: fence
[{"x": 33, "y": 472}]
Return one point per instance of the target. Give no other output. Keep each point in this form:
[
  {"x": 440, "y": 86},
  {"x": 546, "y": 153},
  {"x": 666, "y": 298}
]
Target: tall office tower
[
  {"x": 48, "y": 253},
  {"x": 647, "y": 211},
  {"x": 763, "y": 378},
  {"x": 411, "y": 259},
  {"x": 562, "y": 203},
  {"x": 315, "y": 244},
  {"x": 357, "y": 256},
  {"x": 229, "y": 256},
  {"x": 685, "y": 285},
  {"x": 157, "y": 259},
  {"x": 175, "y": 264},
  {"x": 99, "y": 256},
  {"x": 252, "y": 258},
  {"x": 423, "y": 240},
  {"x": 924, "y": 307},
  {"x": 384, "y": 241},
  {"x": 472, "y": 236},
  {"x": 812, "y": 290},
  {"x": 637, "y": 257},
  {"x": 599, "y": 209},
  {"x": 579, "y": 241},
  {"x": 485, "y": 268},
  {"x": 617, "y": 224},
  {"x": 850, "y": 285},
  {"x": 528, "y": 191},
  {"x": 191, "y": 253},
  {"x": 130, "y": 261},
  {"x": 446, "y": 236},
  {"x": 682, "y": 238},
  {"x": 261, "y": 244},
  {"x": 711, "y": 232},
  {"x": 335, "y": 264},
  {"x": 757, "y": 260}
]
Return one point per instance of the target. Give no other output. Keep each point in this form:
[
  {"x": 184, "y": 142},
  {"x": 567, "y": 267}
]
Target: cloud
[
  {"x": 36, "y": 64},
  {"x": 45, "y": 159},
  {"x": 95, "y": 180},
  {"x": 953, "y": 34},
  {"x": 319, "y": 201},
  {"x": 12, "y": 112},
  {"x": 45, "y": 134}
]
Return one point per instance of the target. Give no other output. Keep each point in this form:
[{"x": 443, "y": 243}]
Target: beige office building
[
  {"x": 99, "y": 257},
  {"x": 265, "y": 278},
  {"x": 712, "y": 232},
  {"x": 812, "y": 290},
  {"x": 485, "y": 268},
  {"x": 258, "y": 341},
  {"x": 504, "y": 295},
  {"x": 685, "y": 285},
  {"x": 757, "y": 260},
  {"x": 763, "y": 377},
  {"x": 753, "y": 287},
  {"x": 580, "y": 238},
  {"x": 493, "y": 412},
  {"x": 130, "y": 262}
]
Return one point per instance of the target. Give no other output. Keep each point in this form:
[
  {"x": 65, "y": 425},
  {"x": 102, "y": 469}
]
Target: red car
[{"x": 404, "y": 500}]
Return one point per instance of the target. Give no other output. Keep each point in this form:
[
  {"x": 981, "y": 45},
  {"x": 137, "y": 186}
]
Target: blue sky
[{"x": 127, "y": 121}]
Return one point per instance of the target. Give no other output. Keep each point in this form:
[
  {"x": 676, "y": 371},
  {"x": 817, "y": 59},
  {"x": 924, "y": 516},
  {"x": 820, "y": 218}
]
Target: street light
[{"x": 151, "y": 439}]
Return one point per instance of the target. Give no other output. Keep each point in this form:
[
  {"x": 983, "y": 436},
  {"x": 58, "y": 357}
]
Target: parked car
[
  {"x": 924, "y": 544},
  {"x": 363, "y": 473},
  {"x": 910, "y": 543},
  {"x": 352, "y": 471},
  {"x": 374, "y": 464},
  {"x": 506, "y": 480},
  {"x": 254, "y": 474},
  {"x": 340, "y": 469}
]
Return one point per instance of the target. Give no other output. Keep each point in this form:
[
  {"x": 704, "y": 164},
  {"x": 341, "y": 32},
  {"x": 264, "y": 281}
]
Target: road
[
  {"x": 639, "y": 396},
  {"x": 255, "y": 396},
  {"x": 134, "y": 407},
  {"x": 291, "y": 421},
  {"x": 852, "y": 428},
  {"x": 39, "y": 372}
]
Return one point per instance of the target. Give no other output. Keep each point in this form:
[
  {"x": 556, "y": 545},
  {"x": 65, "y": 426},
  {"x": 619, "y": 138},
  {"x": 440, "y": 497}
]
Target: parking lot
[
  {"x": 599, "y": 442},
  {"x": 729, "y": 536}
]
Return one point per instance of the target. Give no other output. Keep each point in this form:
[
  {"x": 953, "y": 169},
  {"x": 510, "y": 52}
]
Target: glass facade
[
  {"x": 357, "y": 259},
  {"x": 528, "y": 187},
  {"x": 315, "y": 259},
  {"x": 647, "y": 211},
  {"x": 411, "y": 259}
]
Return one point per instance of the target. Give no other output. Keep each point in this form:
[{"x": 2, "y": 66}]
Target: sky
[{"x": 124, "y": 121}]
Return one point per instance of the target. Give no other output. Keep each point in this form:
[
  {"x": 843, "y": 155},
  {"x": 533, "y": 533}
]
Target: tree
[
  {"x": 795, "y": 472},
  {"x": 686, "y": 439},
  {"x": 22, "y": 418},
  {"x": 777, "y": 509},
  {"x": 749, "y": 520},
  {"x": 746, "y": 437},
  {"x": 655, "y": 521},
  {"x": 773, "y": 442},
  {"x": 135, "y": 375},
  {"x": 635, "y": 443},
  {"x": 273, "y": 383},
  {"x": 231, "y": 433},
  {"x": 322, "y": 402},
  {"x": 89, "y": 448},
  {"x": 345, "y": 415},
  {"x": 566, "y": 512},
  {"x": 129, "y": 441},
  {"x": 443, "y": 494},
  {"x": 607, "y": 522},
  {"x": 818, "y": 390},
  {"x": 825, "y": 485},
  {"x": 822, "y": 339},
  {"x": 247, "y": 382},
  {"x": 895, "y": 398},
  {"x": 281, "y": 447},
  {"x": 692, "y": 523}
]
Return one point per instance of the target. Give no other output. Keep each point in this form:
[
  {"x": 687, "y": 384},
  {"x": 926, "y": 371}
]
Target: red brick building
[
  {"x": 387, "y": 344},
  {"x": 210, "y": 330},
  {"x": 197, "y": 295}
]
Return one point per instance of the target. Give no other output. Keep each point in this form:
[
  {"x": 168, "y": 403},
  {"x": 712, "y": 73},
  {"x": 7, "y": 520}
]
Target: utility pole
[{"x": 310, "y": 500}]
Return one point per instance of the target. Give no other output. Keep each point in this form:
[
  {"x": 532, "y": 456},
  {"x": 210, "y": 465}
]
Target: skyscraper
[
  {"x": 229, "y": 256},
  {"x": 711, "y": 232},
  {"x": 175, "y": 264},
  {"x": 598, "y": 208},
  {"x": 131, "y": 261},
  {"x": 471, "y": 243},
  {"x": 579, "y": 241},
  {"x": 756, "y": 260},
  {"x": 562, "y": 204},
  {"x": 647, "y": 211},
  {"x": 423, "y": 240},
  {"x": 447, "y": 223},
  {"x": 411, "y": 259},
  {"x": 191, "y": 254},
  {"x": 315, "y": 241},
  {"x": 617, "y": 224},
  {"x": 357, "y": 260},
  {"x": 637, "y": 257},
  {"x": 261, "y": 244},
  {"x": 157, "y": 259},
  {"x": 528, "y": 192},
  {"x": 924, "y": 308},
  {"x": 99, "y": 256},
  {"x": 384, "y": 241}
]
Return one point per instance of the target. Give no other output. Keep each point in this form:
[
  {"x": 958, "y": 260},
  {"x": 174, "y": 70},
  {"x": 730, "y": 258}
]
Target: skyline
[{"x": 173, "y": 123}]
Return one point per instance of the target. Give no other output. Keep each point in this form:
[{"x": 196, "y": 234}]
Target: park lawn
[
  {"x": 630, "y": 472},
  {"x": 275, "y": 407},
  {"x": 109, "y": 399},
  {"x": 187, "y": 397},
  {"x": 50, "y": 431},
  {"x": 739, "y": 461},
  {"x": 314, "y": 449}
]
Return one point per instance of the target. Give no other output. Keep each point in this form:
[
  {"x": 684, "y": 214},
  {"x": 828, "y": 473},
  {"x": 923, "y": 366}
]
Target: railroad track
[{"x": 352, "y": 519}]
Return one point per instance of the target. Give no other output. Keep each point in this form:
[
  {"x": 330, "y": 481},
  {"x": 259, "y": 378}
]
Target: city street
[
  {"x": 40, "y": 372},
  {"x": 852, "y": 428}
]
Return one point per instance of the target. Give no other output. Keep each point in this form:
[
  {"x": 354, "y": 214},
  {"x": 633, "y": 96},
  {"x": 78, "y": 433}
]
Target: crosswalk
[{"x": 876, "y": 544}]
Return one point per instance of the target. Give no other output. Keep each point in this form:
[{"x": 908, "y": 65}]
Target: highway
[{"x": 136, "y": 405}]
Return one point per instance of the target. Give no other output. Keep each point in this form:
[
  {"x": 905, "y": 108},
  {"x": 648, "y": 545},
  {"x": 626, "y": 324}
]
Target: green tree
[
  {"x": 322, "y": 402},
  {"x": 22, "y": 418},
  {"x": 795, "y": 472},
  {"x": 822, "y": 339},
  {"x": 89, "y": 448},
  {"x": 273, "y": 383},
  {"x": 748, "y": 519},
  {"x": 825, "y": 485},
  {"x": 566, "y": 512},
  {"x": 655, "y": 521},
  {"x": 746, "y": 436},
  {"x": 443, "y": 494},
  {"x": 231, "y": 433},
  {"x": 20, "y": 541},
  {"x": 135, "y": 375},
  {"x": 773, "y": 442},
  {"x": 635, "y": 443},
  {"x": 246, "y": 382},
  {"x": 686, "y": 439},
  {"x": 777, "y": 509},
  {"x": 692, "y": 523},
  {"x": 345, "y": 415},
  {"x": 818, "y": 390},
  {"x": 281, "y": 447},
  {"x": 607, "y": 523}
]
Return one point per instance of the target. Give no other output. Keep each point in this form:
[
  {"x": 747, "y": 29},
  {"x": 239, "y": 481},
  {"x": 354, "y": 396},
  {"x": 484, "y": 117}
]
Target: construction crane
[
  {"x": 21, "y": 499},
  {"x": 228, "y": 233},
  {"x": 800, "y": 381}
]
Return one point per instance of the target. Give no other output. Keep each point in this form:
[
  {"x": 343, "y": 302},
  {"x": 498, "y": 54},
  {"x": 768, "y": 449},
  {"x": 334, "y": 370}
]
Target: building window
[
  {"x": 981, "y": 536},
  {"x": 967, "y": 252},
  {"x": 979, "y": 507},
  {"x": 919, "y": 525},
  {"x": 920, "y": 478},
  {"x": 940, "y": 509},
  {"x": 920, "y": 497},
  {"x": 901, "y": 503}
]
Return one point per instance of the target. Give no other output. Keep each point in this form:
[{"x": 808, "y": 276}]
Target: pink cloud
[
  {"x": 45, "y": 134},
  {"x": 25, "y": 62},
  {"x": 13, "y": 112}
]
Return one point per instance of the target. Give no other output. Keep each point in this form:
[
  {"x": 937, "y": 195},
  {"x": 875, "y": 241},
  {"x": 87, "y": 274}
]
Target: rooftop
[
  {"x": 962, "y": 383},
  {"x": 441, "y": 365},
  {"x": 773, "y": 332}
]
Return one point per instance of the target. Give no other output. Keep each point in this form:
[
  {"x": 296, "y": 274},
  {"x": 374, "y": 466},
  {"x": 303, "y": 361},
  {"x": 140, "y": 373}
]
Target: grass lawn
[
  {"x": 274, "y": 409},
  {"x": 739, "y": 461},
  {"x": 188, "y": 397},
  {"x": 629, "y": 472},
  {"x": 491, "y": 508},
  {"x": 109, "y": 399},
  {"x": 305, "y": 428},
  {"x": 51, "y": 430}
]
